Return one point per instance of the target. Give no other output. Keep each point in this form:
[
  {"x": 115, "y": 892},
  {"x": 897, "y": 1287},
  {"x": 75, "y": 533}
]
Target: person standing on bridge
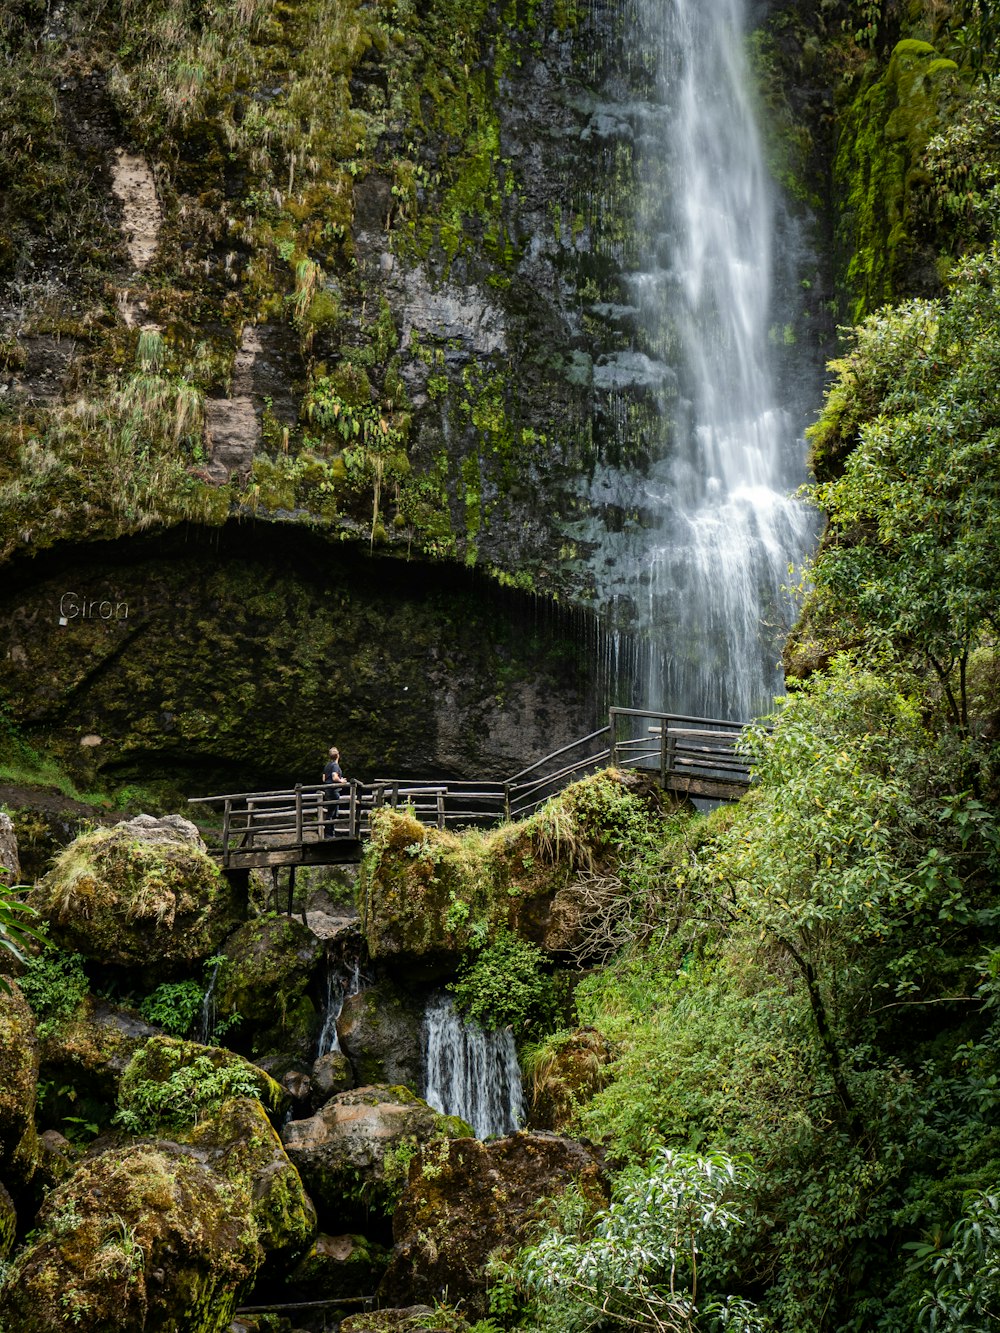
[{"x": 333, "y": 780}]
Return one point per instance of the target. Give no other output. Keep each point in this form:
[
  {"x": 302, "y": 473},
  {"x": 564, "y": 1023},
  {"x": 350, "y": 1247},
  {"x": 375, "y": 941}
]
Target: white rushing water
[
  {"x": 343, "y": 979},
  {"x": 720, "y": 524},
  {"x": 471, "y": 1073}
]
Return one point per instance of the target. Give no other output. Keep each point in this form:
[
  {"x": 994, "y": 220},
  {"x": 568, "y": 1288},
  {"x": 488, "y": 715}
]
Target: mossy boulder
[
  {"x": 18, "y": 1083},
  {"x": 161, "y": 1235},
  {"x": 416, "y": 885},
  {"x": 269, "y": 979},
  {"x": 90, "y": 1052},
  {"x": 380, "y": 1033},
  {"x": 353, "y": 1154},
  {"x": 337, "y": 1266},
  {"x": 8, "y": 1222},
  {"x": 169, "y": 1084},
  {"x": 143, "y": 896},
  {"x": 570, "y": 1070},
  {"x": 428, "y": 895},
  {"x": 241, "y": 1145},
  {"x": 467, "y": 1200}
]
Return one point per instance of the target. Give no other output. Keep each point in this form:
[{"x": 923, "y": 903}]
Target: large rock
[
  {"x": 467, "y": 1200},
  {"x": 380, "y": 1033},
  {"x": 163, "y": 1235},
  {"x": 143, "y": 896},
  {"x": 18, "y": 1082},
  {"x": 268, "y": 979},
  {"x": 169, "y": 1084},
  {"x": 355, "y": 1151},
  {"x": 427, "y": 894},
  {"x": 10, "y": 865},
  {"x": 89, "y": 1052},
  {"x": 338, "y": 1266}
]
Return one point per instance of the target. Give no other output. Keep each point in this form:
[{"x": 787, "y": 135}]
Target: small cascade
[
  {"x": 471, "y": 1073},
  {"x": 343, "y": 979},
  {"x": 209, "y": 1012}
]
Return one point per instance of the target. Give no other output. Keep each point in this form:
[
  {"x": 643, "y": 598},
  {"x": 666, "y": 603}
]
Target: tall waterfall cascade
[
  {"x": 713, "y": 289},
  {"x": 471, "y": 1073}
]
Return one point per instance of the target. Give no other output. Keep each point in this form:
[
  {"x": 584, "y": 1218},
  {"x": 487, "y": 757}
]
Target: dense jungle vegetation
[{"x": 799, "y": 996}]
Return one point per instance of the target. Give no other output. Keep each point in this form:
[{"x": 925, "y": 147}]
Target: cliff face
[
  {"x": 315, "y": 260},
  {"x": 363, "y": 269}
]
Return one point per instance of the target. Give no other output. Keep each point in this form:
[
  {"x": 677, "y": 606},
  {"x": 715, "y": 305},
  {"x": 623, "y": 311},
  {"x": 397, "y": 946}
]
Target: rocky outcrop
[
  {"x": 338, "y": 1266},
  {"x": 468, "y": 1200},
  {"x": 426, "y": 895},
  {"x": 18, "y": 1082},
  {"x": 409, "y": 1319},
  {"x": 355, "y": 1150},
  {"x": 143, "y": 896},
  {"x": 161, "y": 1235},
  {"x": 380, "y": 1033},
  {"x": 268, "y": 980}
]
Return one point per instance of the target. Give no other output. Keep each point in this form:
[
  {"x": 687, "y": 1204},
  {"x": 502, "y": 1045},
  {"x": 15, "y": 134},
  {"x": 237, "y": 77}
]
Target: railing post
[
  {"x": 352, "y": 811},
  {"x": 664, "y": 734},
  {"x": 440, "y": 807},
  {"x": 613, "y": 725},
  {"x": 250, "y": 809},
  {"x": 506, "y": 800},
  {"x": 298, "y": 816},
  {"x": 669, "y": 751},
  {"x": 227, "y": 809}
]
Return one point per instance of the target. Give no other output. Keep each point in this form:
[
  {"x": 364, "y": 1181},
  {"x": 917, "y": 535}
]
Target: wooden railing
[{"x": 695, "y": 756}]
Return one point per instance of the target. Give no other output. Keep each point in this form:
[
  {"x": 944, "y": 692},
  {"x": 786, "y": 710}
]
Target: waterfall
[
  {"x": 209, "y": 1013},
  {"x": 471, "y": 1073},
  {"x": 343, "y": 979},
  {"x": 719, "y": 527}
]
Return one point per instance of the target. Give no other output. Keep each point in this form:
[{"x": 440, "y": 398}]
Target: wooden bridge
[{"x": 689, "y": 756}]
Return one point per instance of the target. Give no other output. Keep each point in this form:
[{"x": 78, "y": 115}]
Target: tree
[
  {"x": 908, "y": 565},
  {"x": 635, "y": 1264}
]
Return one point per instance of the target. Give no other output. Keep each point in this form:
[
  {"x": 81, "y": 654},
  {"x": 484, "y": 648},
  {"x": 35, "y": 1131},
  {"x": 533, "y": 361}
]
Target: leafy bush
[
  {"x": 171, "y": 1085},
  {"x": 54, "y": 984},
  {"x": 174, "y": 1006},
  {"x": 504, "y": 984},
  {"x": 637, "y": 1262}
]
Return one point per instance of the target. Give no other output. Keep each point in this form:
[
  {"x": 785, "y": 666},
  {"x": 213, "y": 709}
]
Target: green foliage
[
  {"x": 183, "y": 1087},
  {"x": 505, "y": 984},
  {"x": 174, "y": 1006},
  {"x": 965, "y": 1271},
  {"x": 55, "y": 984},
  {"x": 908, "y": 566},
  {"x": 16, "y": 932},
  {"x": 637, "y": 1263}
]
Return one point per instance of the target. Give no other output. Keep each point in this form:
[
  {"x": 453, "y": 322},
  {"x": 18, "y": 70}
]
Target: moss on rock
[
  {"x": 18, "y": 1081},
  {"x": 430, "y": 895},
  {"x": 171, "y": 1084},
  {"x": 161, "y": 1236},
  {"x": 269, "y": 972},
  {"x": 8, "y": 1222},
  {"x": 143, "y": 896}
]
